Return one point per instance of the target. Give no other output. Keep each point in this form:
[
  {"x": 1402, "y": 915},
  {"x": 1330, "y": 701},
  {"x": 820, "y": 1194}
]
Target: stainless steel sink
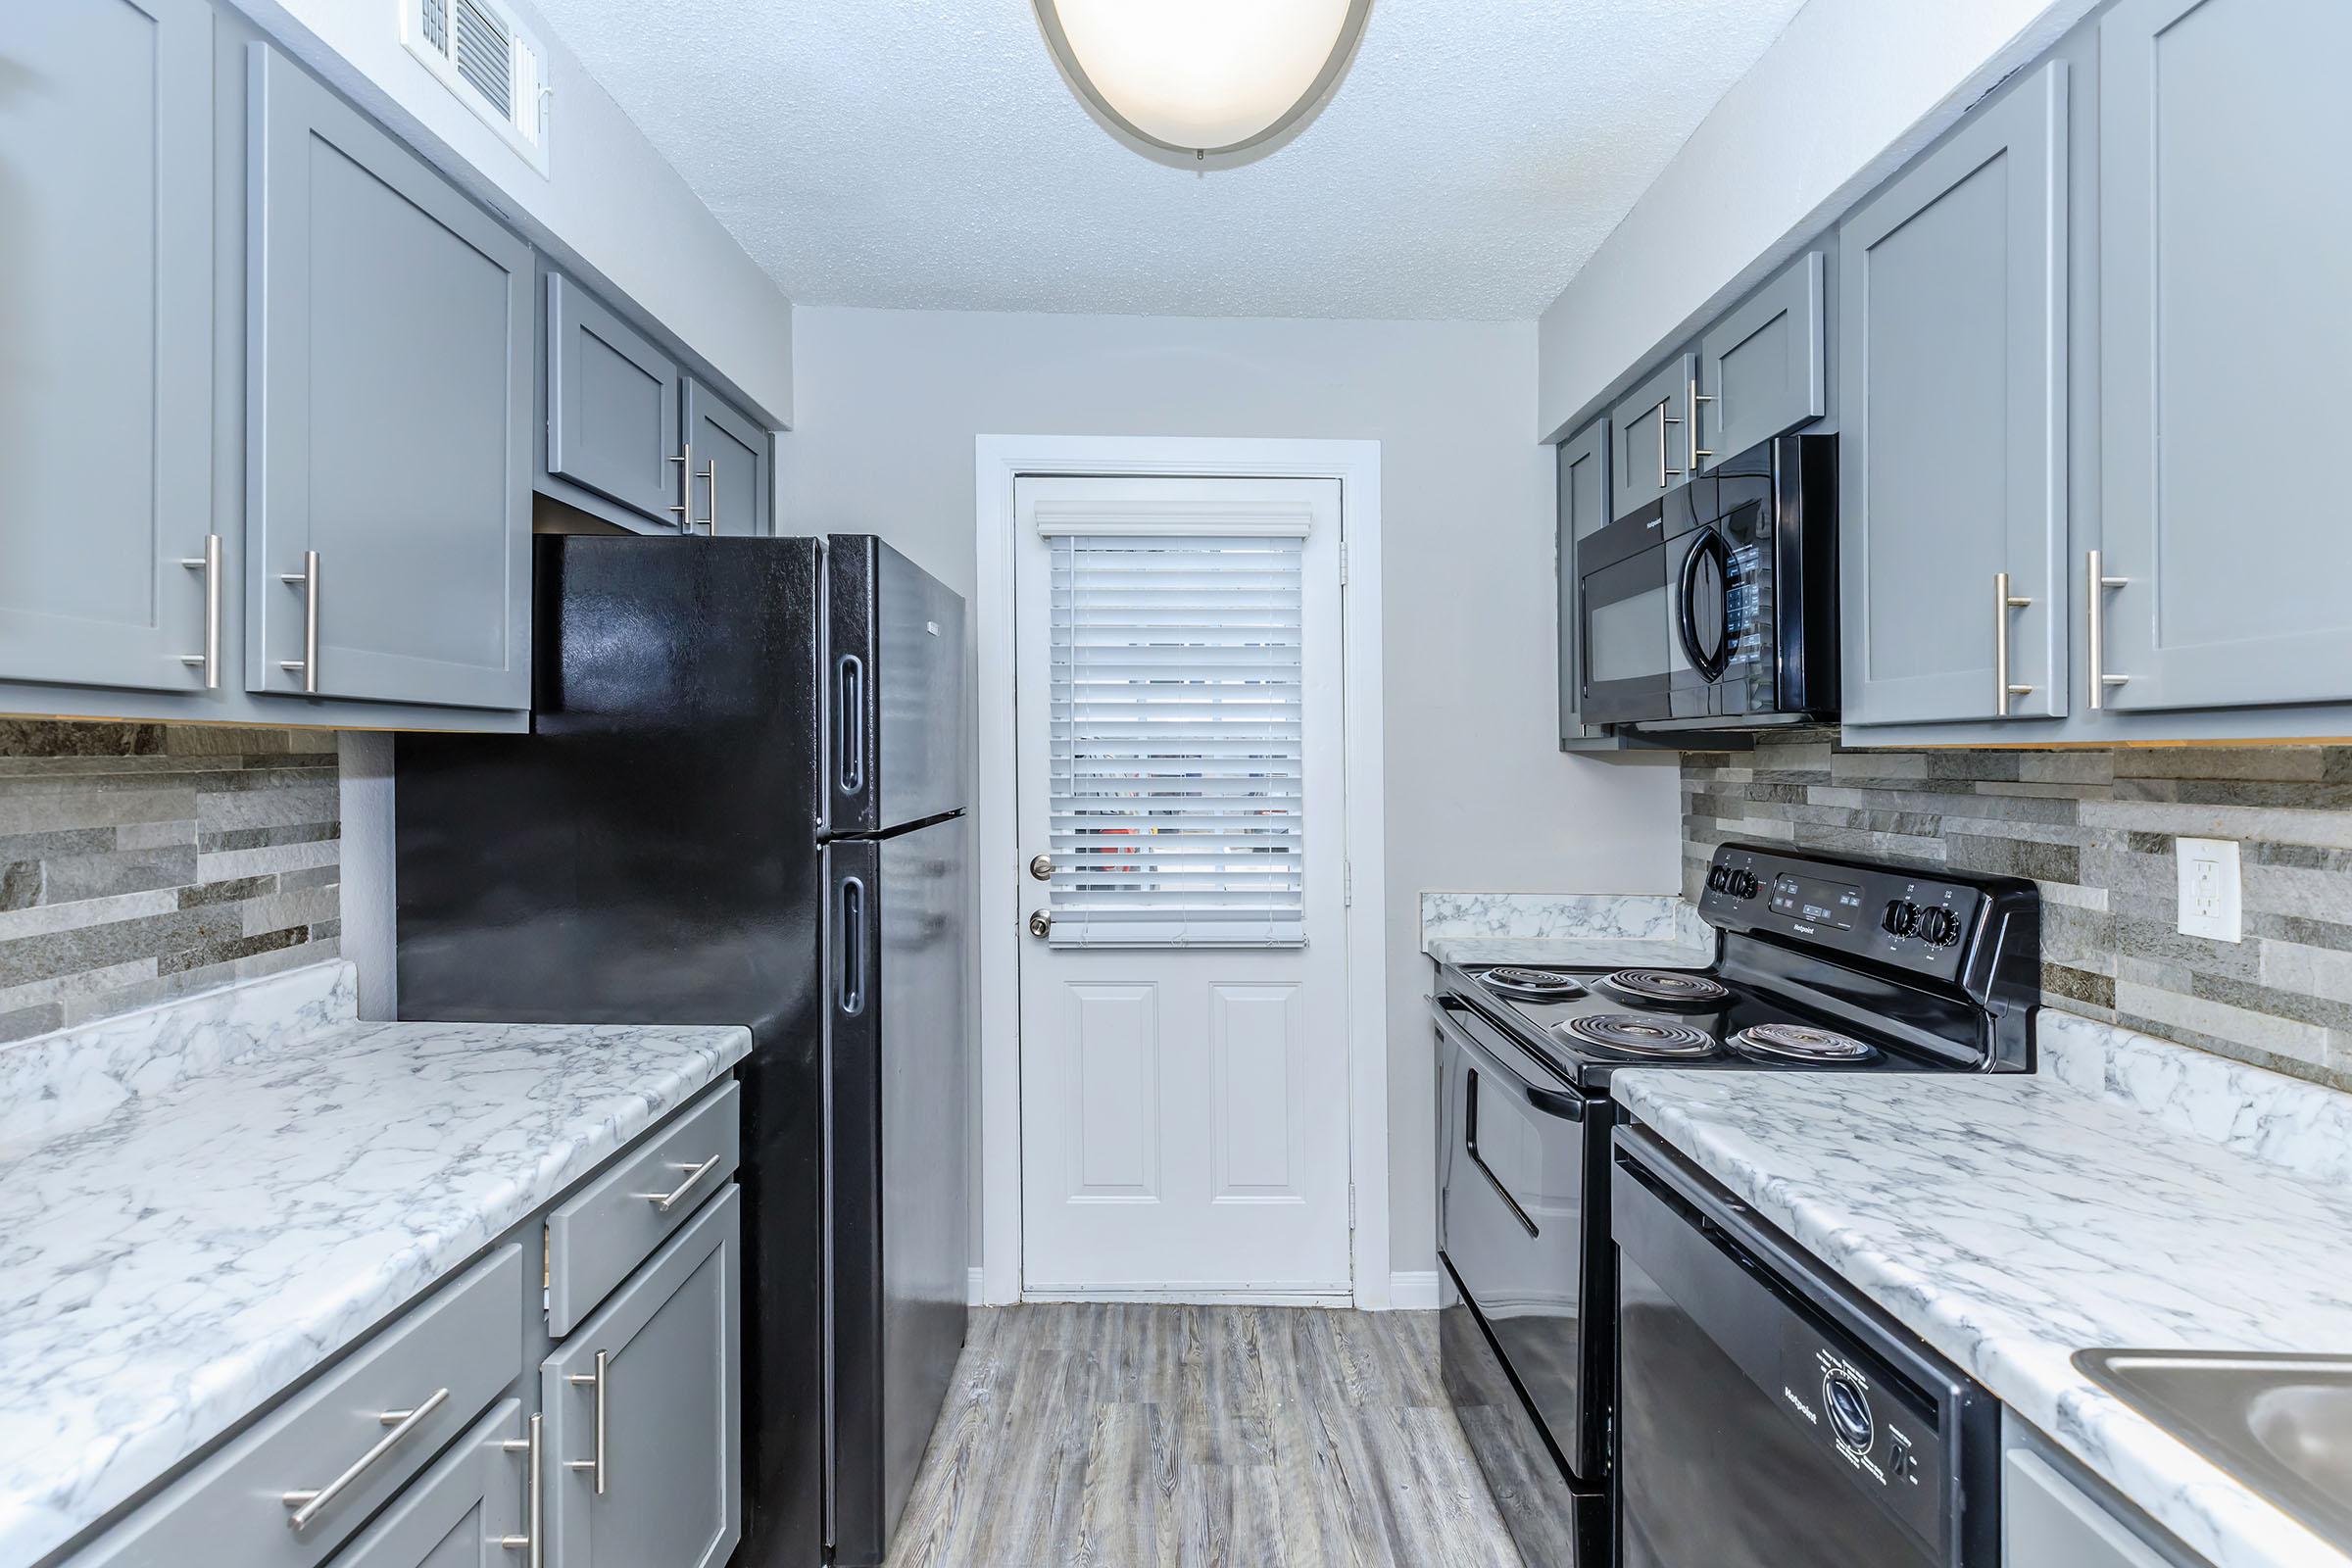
[{"x": 2281, "y": 1424}]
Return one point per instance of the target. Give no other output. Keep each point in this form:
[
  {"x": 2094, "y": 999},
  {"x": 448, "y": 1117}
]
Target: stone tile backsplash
[
  {"x": 139, "y": 862},
  {"x": 2095, "y": 829}
]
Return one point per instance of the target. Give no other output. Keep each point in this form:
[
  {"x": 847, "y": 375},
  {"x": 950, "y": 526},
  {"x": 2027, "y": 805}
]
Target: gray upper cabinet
[
  {"x": 612, "y": 411},
  {"x": 1655, "y": 444},
  {"x": 643, "y": 1411},
  {"x": 1953, "y": 452},
  {"x": 2226, "y": 244},
  {"x": 728, "y": 454},
  {"x": 1584, "y": 501},
  {"x": 1762, "y": 369},
  {"x": 106, "y": 342},
  {"x": 388, "y": 489}
]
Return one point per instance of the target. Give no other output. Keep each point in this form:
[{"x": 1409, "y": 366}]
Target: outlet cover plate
[{"x": 2210, "y": 901}]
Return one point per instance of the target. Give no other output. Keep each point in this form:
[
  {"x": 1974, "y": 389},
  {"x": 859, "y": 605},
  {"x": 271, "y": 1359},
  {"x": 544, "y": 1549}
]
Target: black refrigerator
[{"x": 741, "y": 801}]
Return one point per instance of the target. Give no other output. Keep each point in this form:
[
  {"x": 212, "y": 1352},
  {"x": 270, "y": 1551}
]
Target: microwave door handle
[{"x": 1710, "y": 664}]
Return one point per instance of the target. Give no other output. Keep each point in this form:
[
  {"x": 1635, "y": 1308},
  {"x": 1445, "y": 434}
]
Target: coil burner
[
  {"x": 1531, "y": 985},
  {"x": 1798, "y": 1042},
  {"x": 1676, "y": 987},
  {"x": 1633, "y": 1036}
]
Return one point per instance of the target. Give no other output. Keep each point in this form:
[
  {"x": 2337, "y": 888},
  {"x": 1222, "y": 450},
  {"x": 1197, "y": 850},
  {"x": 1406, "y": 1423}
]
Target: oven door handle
[
  {"x": 1565, "y": 1103},
  {"x": 1708, "y": 545}
]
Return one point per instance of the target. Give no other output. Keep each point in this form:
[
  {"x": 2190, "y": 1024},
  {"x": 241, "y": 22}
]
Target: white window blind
[{"x": 1176, "y": 751}]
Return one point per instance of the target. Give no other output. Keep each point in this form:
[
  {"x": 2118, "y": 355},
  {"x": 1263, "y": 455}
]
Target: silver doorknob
[
  {"x": 1039, "y": 923},
  {"x": 1041, "y": 866}
]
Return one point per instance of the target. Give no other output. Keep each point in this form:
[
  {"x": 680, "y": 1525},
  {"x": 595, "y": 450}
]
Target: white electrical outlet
[{"x": 2208, "y": 891}]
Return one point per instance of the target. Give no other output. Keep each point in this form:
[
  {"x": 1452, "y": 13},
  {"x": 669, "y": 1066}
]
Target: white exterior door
[{"x": 1183, "y": 1069}]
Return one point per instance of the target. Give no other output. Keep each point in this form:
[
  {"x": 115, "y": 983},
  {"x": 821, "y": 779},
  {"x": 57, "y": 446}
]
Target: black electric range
[{"x": 1824, "y": 964}]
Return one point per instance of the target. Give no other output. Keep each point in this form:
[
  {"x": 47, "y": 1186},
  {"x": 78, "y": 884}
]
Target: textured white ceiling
[{"x": 925, "y": 153}]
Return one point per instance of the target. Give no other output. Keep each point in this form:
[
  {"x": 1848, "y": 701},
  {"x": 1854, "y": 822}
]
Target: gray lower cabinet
[
  {"x": 643, "y": 1411},
  {"x": 2055, "y": 1514},
  {"x": 389, "y": 386},
  {"x": 2226, "y": 245},
  {"x": 1654, "y": 443},
  {"x": 1583, "y": 508},
  {"x": 612, "y": 411},
  {"x": 1953, "y": 452},
  {"x": 1763, "y": 369},
  {"x": 728, "y": 454},
  {"x": 106, "y": 369},
  {"x": 471, "y": 1510}
]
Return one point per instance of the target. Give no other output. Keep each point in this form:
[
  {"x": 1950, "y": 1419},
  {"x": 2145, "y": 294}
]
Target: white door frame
[{"x": 999, "y": 460}]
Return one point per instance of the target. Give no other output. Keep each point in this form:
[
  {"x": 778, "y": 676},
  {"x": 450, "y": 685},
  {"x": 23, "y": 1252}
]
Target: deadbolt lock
[
  {"x": 1039, "y": 923},
  {"x": 1041, "y": 866}
]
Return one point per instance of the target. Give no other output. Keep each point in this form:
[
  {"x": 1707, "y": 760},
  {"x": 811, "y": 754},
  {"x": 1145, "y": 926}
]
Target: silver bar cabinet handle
[
  {"x": 684, "y": 505},
  {"x": 307, "y": 581},
  {"x": 2004, "y": 602},
  {"x": 710, "y": 478},
  {"x": 307, "y": 1504},
  {"x": 534, "y": 1493},
  {"x": 665, "y": 1201},
  {"x": 595, "y": 1380},
  {"x": 209, "y": 565},
  {"x": 1696, "y": 450},
  {"x": 2101, "y": 582}
]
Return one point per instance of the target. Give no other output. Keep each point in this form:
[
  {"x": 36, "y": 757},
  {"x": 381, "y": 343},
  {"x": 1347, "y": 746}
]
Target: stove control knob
[
  {"x": 1900, "y": 919},
  {"x": 1742, "y": 884},
  {"x": 1939, "y": 927},
  {"x": 1719, "y": 879}
]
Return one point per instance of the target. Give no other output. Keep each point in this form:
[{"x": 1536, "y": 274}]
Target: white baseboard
[
  {"x": 1202, "y": 1292},
  {"x": 1414, "y": 1291},
  {"x": 1409, "y": 1291}
]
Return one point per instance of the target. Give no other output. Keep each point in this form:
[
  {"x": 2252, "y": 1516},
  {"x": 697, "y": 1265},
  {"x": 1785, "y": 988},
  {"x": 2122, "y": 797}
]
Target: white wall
[
  {"x": 1841, "y": 100},
  {"x": 608, "y": 206},
  {"x": 1477, "y": 795}
]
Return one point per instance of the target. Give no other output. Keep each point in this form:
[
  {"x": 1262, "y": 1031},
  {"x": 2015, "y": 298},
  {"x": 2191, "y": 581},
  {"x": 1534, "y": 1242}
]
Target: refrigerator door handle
[
  {"x": 850, "y": 988},
  {"x": 849, "y": 727}
]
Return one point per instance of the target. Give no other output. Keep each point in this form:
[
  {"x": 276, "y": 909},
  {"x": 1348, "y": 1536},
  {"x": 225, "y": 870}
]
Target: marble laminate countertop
[
  {"x": 200, "y": 1203},
  {"x": 1575, "y": 930},
  {"x": 2132, "y": 1193}
]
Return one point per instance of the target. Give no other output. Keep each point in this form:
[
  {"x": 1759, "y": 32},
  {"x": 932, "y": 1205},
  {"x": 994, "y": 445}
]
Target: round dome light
[{"x": 1202, "y": 76}]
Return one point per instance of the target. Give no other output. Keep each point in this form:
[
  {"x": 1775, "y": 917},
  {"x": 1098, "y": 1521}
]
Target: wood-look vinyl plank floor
[{"x": 1135, "y": 1436}]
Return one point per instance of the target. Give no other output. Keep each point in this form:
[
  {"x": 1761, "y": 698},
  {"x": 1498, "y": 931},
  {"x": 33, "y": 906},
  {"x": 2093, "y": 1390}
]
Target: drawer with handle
[
  {"x": 287, "y": 1494},
  {"x": 599, "y": 1235}
]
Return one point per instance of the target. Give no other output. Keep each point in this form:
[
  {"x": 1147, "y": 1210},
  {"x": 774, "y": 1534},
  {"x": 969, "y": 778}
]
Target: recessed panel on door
[
  {"x": 729, "y": 452},
  {"x": 612, "y": 406},
  {"x": 1113, "y": 1130},
  {"x": 1257, "y": 1048},
  {"x": 2225, "y": 246}
]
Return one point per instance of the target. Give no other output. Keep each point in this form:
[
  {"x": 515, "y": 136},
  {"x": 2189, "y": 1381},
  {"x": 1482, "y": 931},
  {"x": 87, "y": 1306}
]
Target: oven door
[
  {"x": 1764, "y": 1418},
  {"x": 1512, "y": 1205}
]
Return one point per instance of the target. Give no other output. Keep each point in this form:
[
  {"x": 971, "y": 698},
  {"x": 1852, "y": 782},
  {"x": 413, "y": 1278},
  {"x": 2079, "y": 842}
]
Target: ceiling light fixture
[{"x": 1202, "y": 79}]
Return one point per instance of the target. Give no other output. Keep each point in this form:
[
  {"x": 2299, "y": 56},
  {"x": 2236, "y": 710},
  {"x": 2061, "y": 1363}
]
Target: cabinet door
[
  {"x": 469, "y": 1510},
  {"x": 1762, "y": 366},
  {"x": 1952, "y": 461},
  {"x": 106, "y": 339},
  {"x": 389, "y": 421},
  {"x": 612, "y": 406},
  {"x": 2048, "y": 1522},
  {"x": 1584, "y": 509},
  {"x": 2226, "y": 244},
  {"x": 728, "y": 452},
  {"x": 1652, "y": 445},
  {"x": 643, "y": 1411}
]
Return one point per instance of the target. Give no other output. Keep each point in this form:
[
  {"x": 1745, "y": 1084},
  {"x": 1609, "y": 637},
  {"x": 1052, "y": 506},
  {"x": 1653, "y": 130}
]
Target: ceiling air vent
[{"x": 483, "y": 54}]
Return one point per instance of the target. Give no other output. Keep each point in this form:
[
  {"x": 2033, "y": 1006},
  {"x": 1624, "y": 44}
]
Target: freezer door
[
  {"x": 900, "y": 1071},
  {"x": 894, "y": 690}
]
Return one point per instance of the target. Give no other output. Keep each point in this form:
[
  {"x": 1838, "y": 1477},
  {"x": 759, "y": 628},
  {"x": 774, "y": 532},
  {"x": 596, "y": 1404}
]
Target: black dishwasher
[{"x": 1769, "y": 1415}]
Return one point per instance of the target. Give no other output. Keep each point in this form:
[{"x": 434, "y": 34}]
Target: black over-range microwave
[{"x": 1716, "y": 605}]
